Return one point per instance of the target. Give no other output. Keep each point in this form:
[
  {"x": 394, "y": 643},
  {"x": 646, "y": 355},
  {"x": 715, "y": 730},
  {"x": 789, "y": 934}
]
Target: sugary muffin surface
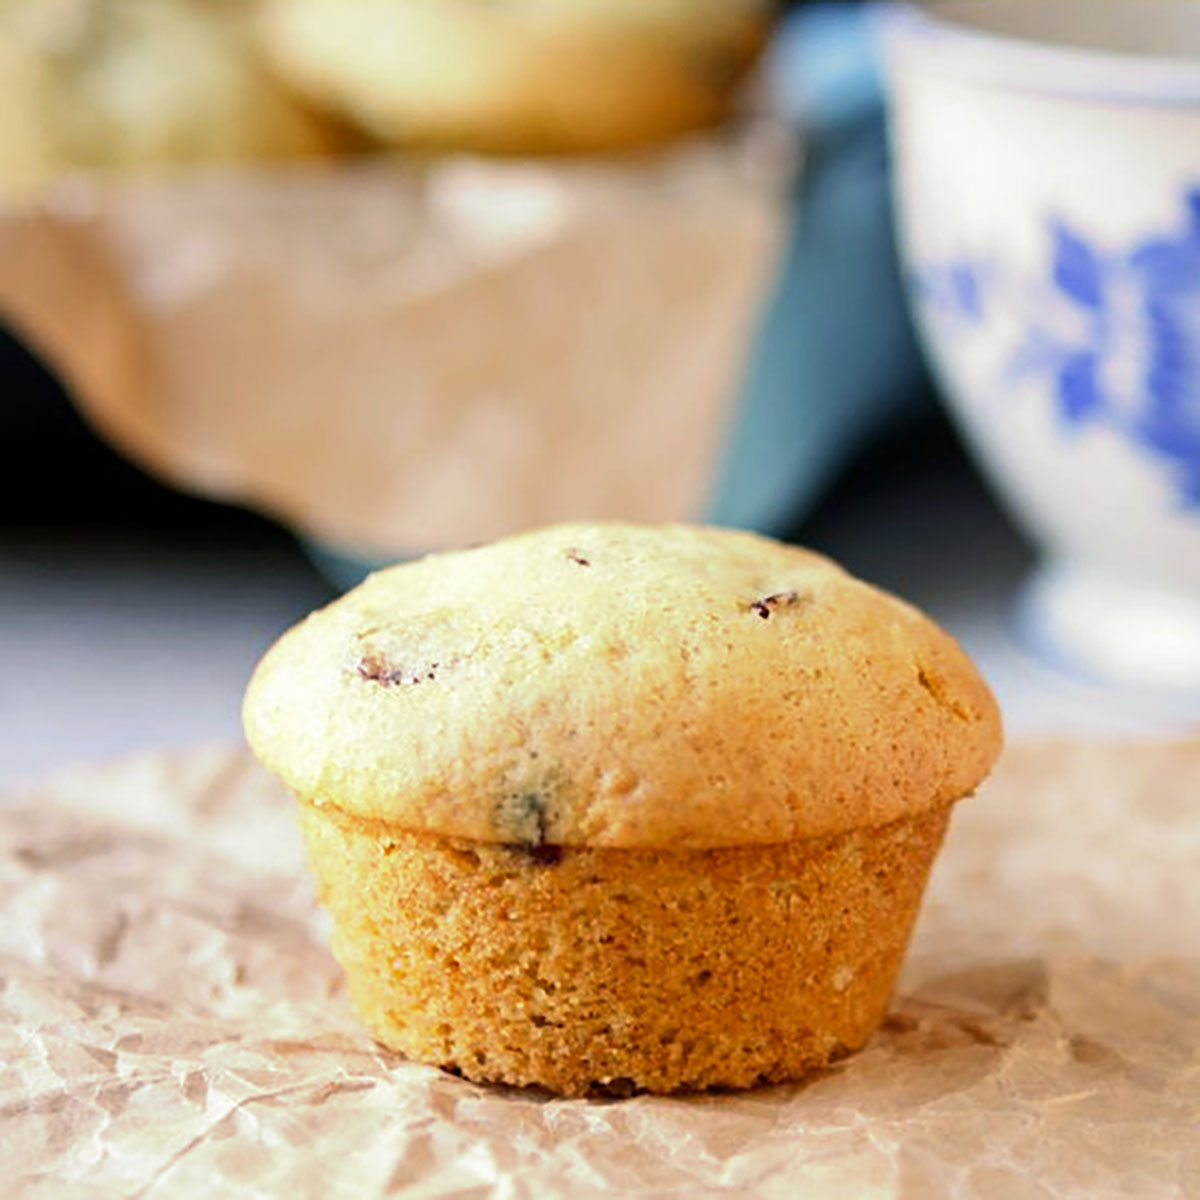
[
  {"x": 519, "y": 76},
  {"x": 132, "y": 84},
  {"x": 623, "y": 687}
]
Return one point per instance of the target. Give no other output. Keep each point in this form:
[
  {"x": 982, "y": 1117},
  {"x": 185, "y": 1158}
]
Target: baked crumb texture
[{"x": 609, "y": 971}]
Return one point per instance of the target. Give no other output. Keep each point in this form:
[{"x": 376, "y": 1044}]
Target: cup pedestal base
[{"x": 1113, "y": 629}]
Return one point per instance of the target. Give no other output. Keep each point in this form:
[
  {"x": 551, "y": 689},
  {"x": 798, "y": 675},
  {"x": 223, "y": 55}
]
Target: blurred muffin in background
[
  {"x": 518, "y": 76},
  {"x": 127, "y": 84}
]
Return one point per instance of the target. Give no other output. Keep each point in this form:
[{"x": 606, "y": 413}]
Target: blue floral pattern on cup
[{"x": 1115, "y": 334}]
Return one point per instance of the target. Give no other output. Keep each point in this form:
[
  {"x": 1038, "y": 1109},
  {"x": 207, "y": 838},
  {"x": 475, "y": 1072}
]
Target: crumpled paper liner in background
[
  {"x": 172, "y": 1025},
  {"x": 401, "y": 354}
]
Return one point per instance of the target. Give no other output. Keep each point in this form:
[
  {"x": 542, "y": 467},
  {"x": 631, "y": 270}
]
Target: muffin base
[{"x": 592, "y": 971}]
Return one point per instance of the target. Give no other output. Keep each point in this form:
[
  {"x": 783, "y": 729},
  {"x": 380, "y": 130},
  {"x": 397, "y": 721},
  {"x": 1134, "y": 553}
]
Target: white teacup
[{"x": 1048, "y": 196}]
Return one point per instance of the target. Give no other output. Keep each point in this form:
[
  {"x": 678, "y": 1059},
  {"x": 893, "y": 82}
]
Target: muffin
[
  {"x": 613, "y": 807},
  {"x": 522, "y": 76},
  {"x": 125, "y": 84}
]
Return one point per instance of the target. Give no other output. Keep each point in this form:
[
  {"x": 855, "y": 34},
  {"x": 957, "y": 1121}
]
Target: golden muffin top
[
  {"x": 134, "y": 84},
  {"x": 622, "y": 686},
  {"x": 518, "y": 76}
]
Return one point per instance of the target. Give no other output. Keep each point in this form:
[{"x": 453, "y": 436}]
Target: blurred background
[{"x": 290, "y": 289}]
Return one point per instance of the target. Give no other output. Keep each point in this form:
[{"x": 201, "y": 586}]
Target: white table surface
[{"x": 116, "y": 641}]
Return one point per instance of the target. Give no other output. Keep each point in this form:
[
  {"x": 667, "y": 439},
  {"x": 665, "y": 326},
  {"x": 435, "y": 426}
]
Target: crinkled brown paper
[
  {"x": 398, "y": 355},
  {"x": 173, "y": 1025}
]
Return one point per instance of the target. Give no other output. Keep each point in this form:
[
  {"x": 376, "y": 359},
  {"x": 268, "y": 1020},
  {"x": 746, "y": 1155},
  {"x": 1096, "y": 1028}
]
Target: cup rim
[{"x": 908, "y": 30}]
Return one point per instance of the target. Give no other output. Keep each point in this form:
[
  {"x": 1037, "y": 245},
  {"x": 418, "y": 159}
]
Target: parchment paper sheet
[
  {"x": 399, "y": 355},
  {"x": 171, "y": 1025}
]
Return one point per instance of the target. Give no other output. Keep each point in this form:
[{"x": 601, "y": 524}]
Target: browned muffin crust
[
  {"x": 613, "y": 807},
  {"x": 608, "y": 971}
]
